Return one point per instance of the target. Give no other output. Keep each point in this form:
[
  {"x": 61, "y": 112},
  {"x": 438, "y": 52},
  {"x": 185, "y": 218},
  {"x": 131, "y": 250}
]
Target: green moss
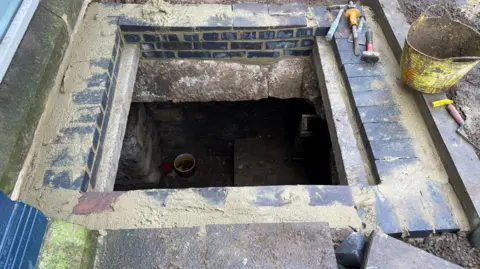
[{"x": 68, "y": 246}]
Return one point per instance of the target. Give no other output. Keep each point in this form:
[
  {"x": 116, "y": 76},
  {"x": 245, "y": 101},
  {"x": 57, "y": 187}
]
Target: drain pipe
[{"x": 112, "y": 146}]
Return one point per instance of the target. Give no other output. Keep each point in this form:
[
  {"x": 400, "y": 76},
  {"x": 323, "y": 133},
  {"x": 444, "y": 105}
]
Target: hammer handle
[
  {"x": 369, "y": 39},
  {"x": 455, "y": 115}
]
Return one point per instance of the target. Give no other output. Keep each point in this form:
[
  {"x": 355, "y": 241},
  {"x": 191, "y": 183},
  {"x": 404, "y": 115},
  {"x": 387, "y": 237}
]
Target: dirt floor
[
  {"x": 466, "y": 93},
  {"x": 451, "y": 247}
]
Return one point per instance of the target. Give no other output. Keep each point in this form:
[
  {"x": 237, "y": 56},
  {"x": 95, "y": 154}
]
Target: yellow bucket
[{"x": 438, "y": 52}]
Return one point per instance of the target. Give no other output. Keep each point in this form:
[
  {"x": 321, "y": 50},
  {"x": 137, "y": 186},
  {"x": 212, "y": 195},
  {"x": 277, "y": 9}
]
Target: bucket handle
[{"x": 425, "y": 13}]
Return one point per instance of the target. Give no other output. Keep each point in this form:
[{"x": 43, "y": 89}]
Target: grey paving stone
[
  {"x": 385, "y": 168},
  {"x": 374, "y": 98},
  {"x": 349, "y": 57},
  {"x": 343, "y": 45},
  {"x": 387, "y": 252},
  {"x": 251, "y": 7},
  {"x": 385, "y": 131},
  {"x": 288, "y": 8},
  {"x": 363, "y": 84},
  {"x": 289, "y": 21},
  {"x": 350, "y": 251},
  {"x": 362, "y": 70},
  {"x": 240, "y": 23},
  {"x": 152, "y": 248},
  {"x": 392, "y": 149},
  {"x": 370, "y": 114},
  {"x": 323, "y": 24},
  {"x": 281, "y": 245}
]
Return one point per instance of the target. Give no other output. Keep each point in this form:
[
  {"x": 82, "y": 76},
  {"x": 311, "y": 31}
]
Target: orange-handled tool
[{"x": 352, "y": 14}]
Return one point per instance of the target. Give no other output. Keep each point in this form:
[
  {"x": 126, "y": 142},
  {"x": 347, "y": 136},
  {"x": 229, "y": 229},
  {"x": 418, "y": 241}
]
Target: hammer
[{"x": 370, "y": 56}]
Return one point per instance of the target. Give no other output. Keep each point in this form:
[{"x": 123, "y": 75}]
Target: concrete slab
[
  {"x": 350, "y": 251},
  {"x": 283, "y": 245},
  {"x": 152, "y": 248},
  {"x": 387, "y": 252},
  {"x": 349, "y": 158}
]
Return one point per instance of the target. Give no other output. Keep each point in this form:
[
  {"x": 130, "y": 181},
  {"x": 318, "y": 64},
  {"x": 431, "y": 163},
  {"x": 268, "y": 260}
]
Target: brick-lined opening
[{"x": 247, "y": 143}]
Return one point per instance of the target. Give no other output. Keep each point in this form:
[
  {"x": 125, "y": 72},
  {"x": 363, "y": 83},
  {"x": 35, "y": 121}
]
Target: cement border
[
  {"x": 120, "y": 107},
  {"x": 458, "y": 157}
]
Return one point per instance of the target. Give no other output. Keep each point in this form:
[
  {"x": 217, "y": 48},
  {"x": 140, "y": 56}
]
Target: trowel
[{"x": 461, "y": 130}]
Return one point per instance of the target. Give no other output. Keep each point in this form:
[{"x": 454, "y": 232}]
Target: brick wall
[{"x": 290, "y": 34}]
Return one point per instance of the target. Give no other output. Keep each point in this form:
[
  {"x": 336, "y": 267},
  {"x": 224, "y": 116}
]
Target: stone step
[
  {"x": 387, "y": 252},
  {"x": 269, "y": 245}
]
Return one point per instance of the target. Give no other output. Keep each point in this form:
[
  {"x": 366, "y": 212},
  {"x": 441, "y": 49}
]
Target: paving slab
[
  {"x": 387, "y": 252},
  {"x": 281, "y": 245},
  {"x": 152, "y": 248},
  {"x": 350, "y": 251}
]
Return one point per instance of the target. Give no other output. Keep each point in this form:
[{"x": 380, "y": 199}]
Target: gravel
[{"x": 450, "y": 246}]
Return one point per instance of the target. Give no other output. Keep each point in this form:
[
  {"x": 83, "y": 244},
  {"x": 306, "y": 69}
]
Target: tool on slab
[
  {"x": 442, "y": 102},
  {"x": 370, "y": 56},
  {"x": 352, "y": 14},
  {"x": 461, "y": 131},
  {"x": 361, "y": 24},
  {"x": 336, "y": 22}
]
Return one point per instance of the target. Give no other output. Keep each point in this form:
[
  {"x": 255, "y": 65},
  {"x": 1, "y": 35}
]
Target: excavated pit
[
  {"x": 252, "y": 132},
  {"x": 248, "y": 143}
]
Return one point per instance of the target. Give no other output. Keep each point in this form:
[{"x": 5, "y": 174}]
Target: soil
[
  {"x": 466, "y": 92},
  {"x": 452, "y": 247}
]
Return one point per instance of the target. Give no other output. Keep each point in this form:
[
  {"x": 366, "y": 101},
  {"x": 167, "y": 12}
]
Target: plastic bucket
[
  {"x": 184, "y": 165},
  {"x": 438, "y": 52}
]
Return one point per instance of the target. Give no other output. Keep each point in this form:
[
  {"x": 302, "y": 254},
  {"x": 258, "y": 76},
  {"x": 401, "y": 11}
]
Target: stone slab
[
  {"x": 282, "y": 245},
  {"x": 349, "y": 163},
  {"x": 285, "y": 79},
  {"x": 384, "y": 131},
  {"x": 387, "y": 252},
  {"x": 388, "y": 149},
  {"x": 374, "y": 98},
  {"x": 322, "y": 19},
  {"x": 152, "y": 248},
  {"x": 373, "y": 114},
  {"x": 288, "y": 8},
  {"x": 362, "y": 70},
  {"x": 349, "y": 57},
  {"x": 183, "y": 81},
  {"x": 419, "y": 213},
  {"x": 350, "y": 251},
  {"x": 385, "y": 169},
  {"x": 364, "y": 84}
]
